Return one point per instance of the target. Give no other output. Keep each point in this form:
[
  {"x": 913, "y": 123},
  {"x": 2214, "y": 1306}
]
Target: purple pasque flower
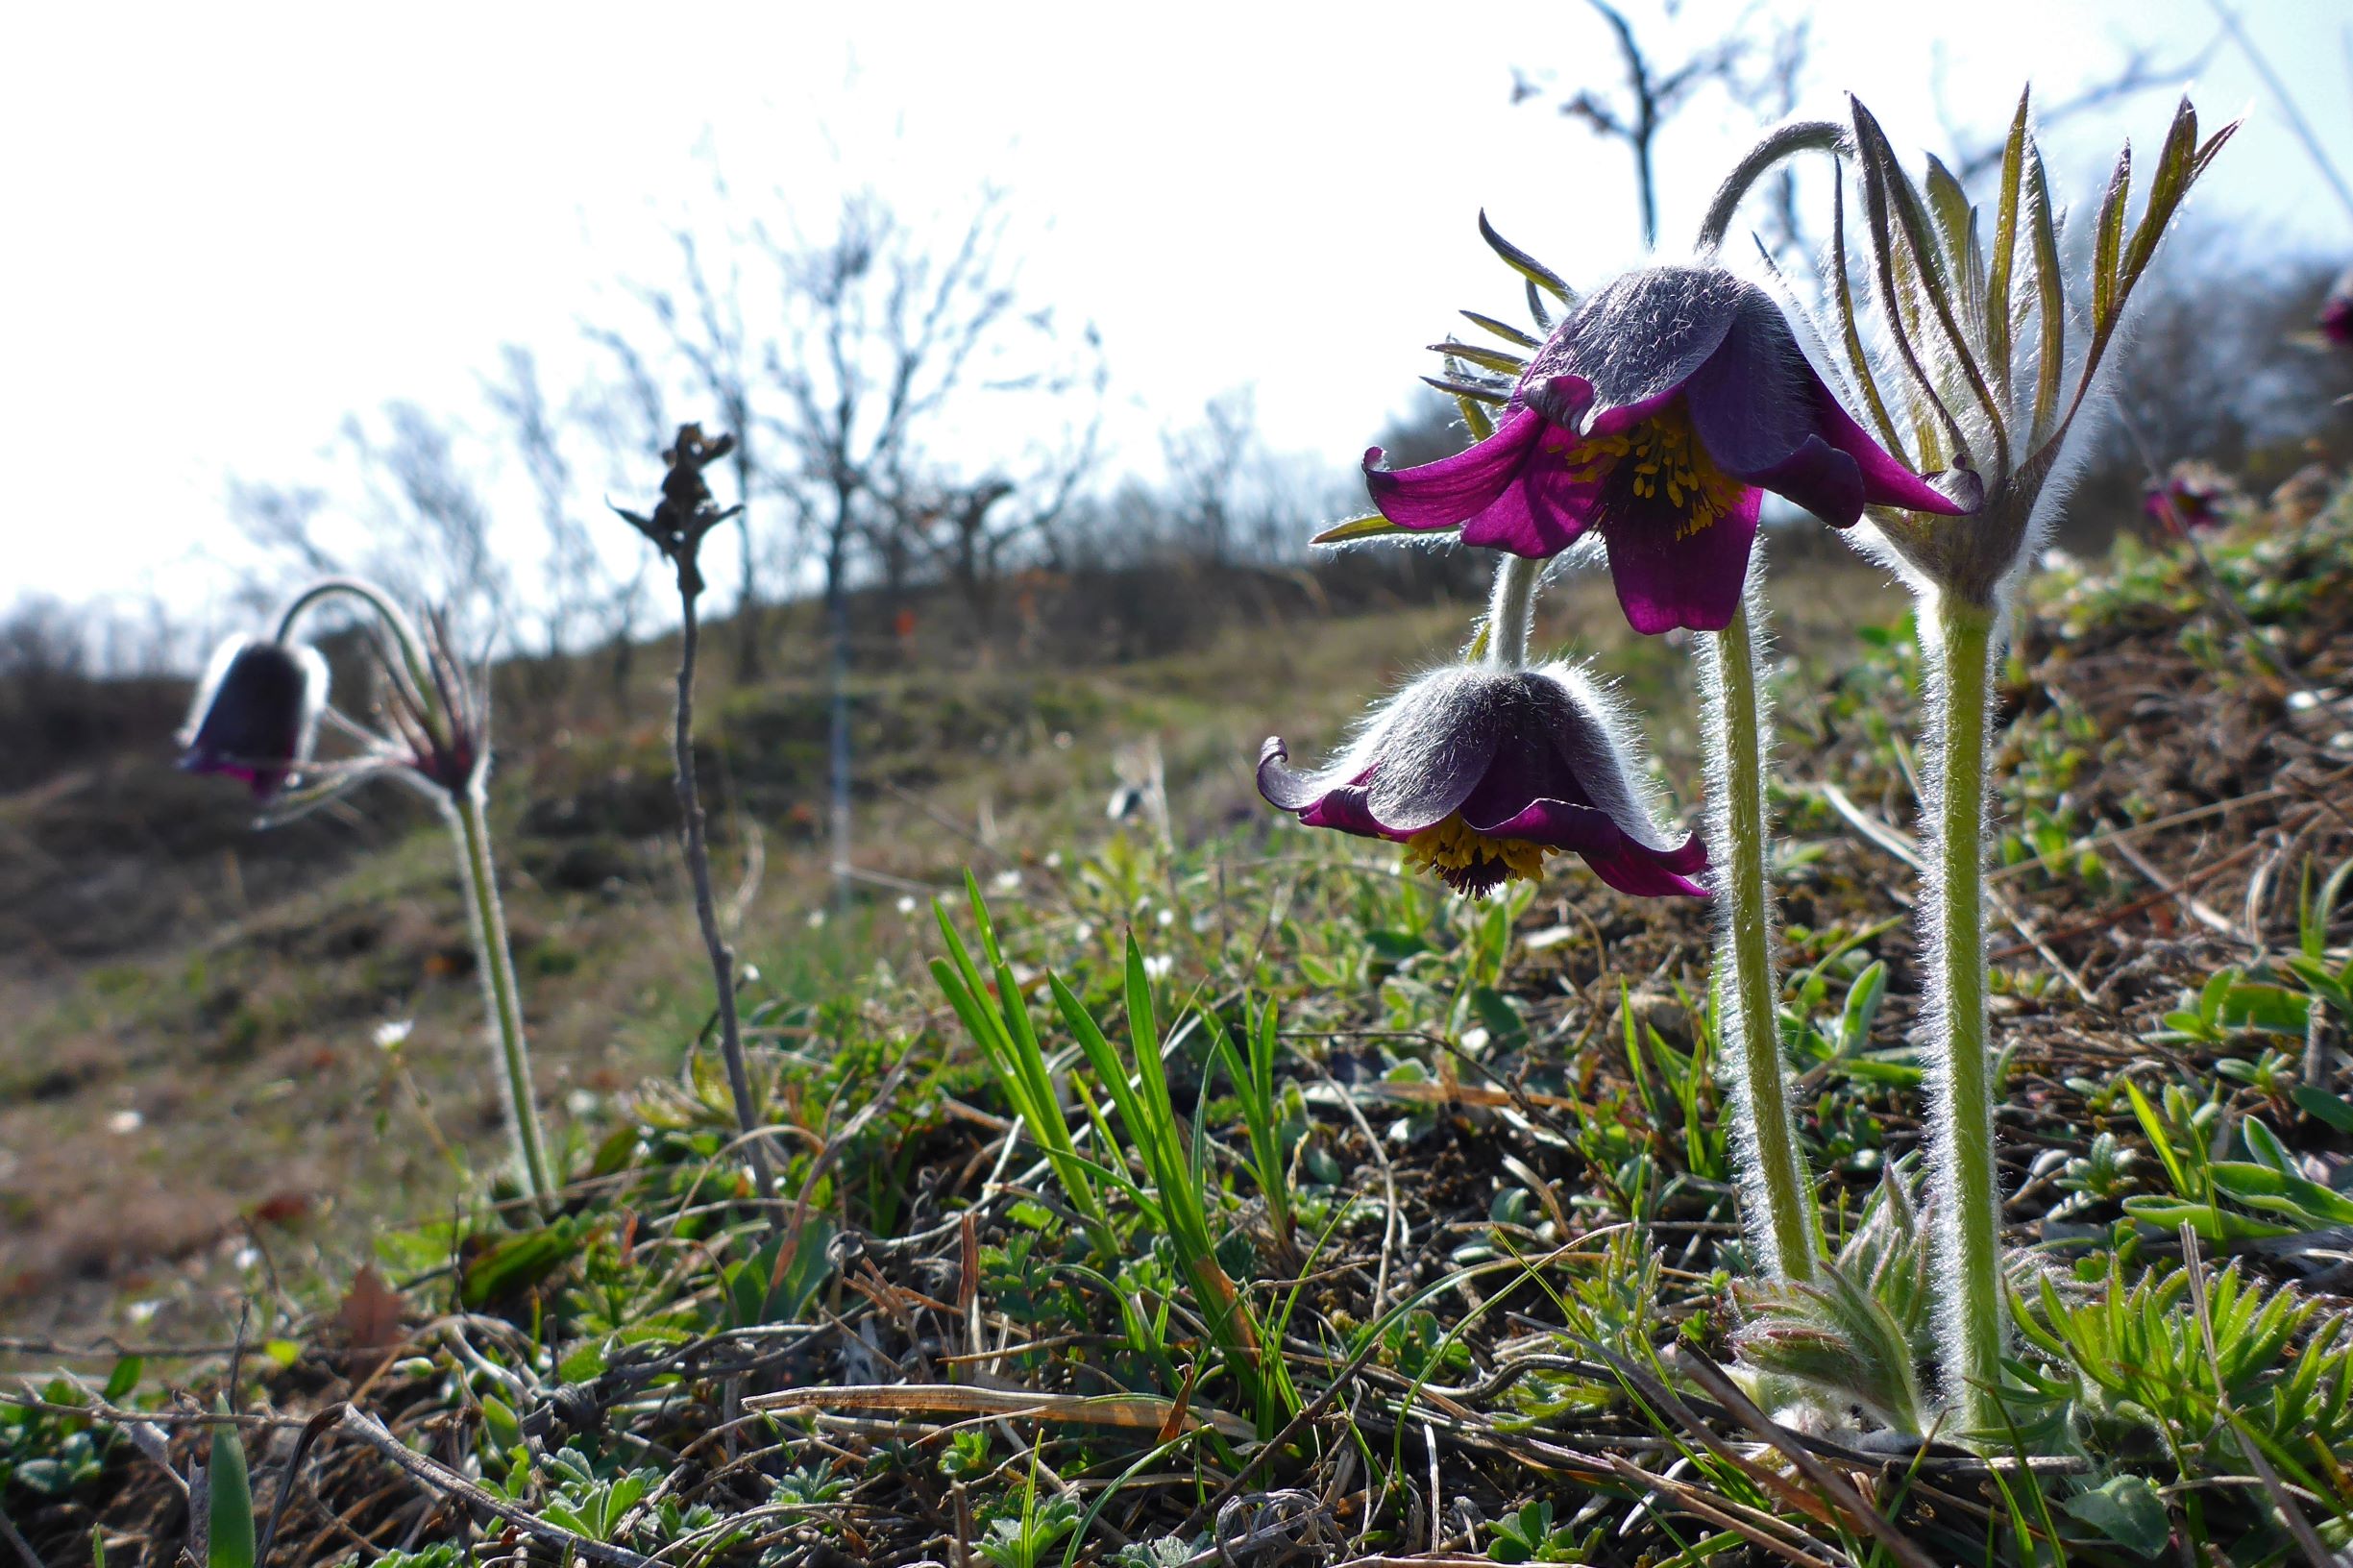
[
  {"x": 2194, "y": 497},
  {"x": 256, "y": 713},
  {"x": 2337, "y": 311},
  {"x": 1482, "y": 772},
  {"x": 259, "y": 708},
  {"x": 1658, "y": 413}
]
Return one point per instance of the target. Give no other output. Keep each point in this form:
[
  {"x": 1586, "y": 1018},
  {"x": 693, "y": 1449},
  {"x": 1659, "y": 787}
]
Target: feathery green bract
[
  {"x": 1485, "y": 358},
  {"x": 1504, "y": 329},
  {"x": 1374, "y": 527},
  {"x": 1861, "y": 1332},
  {"x": 1538, "y": 274},
  {"x": 1958, "y": 314}
]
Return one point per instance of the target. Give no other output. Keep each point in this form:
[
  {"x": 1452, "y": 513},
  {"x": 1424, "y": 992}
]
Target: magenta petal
[
  {"x": 1434, "y": 767},
  {"x": 1664, "y": 581},
  {"x": 1752, "y": 404},
  {"x": 1886, "y": 482},
  {"x": 1638, "y": 871},
  {"x": 1447, "y": 493},
  {"x": 1562, "y": 398},
  {"x": 253, "y": 713},
  {"x": 1539, "y": 515},
  {"x": 1561, "y": 824},
  {"x": 1818, "y": 477},
  {"x": 1616, "y": 858},
  {"x": 1635, "y": 342},
  {"x": 1594, "y": 757},
  {"x": 1348, "y": 809}
]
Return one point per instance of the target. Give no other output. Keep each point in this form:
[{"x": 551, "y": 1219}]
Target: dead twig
[{"x": 442, "y": 1479}]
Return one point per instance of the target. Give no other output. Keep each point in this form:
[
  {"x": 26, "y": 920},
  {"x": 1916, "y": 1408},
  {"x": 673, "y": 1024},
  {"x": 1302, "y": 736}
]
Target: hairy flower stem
[
  {"x": 469, "y": 825},
  {"x": 1766, "y": 1139},
  {"x": 1779, "y": 146},
  {"x": 706, "y": 908},
  {"x": 1961, "y": 1111},
  {"x": 466, "y": 809},
  {"x": 1512, "y": 612}
]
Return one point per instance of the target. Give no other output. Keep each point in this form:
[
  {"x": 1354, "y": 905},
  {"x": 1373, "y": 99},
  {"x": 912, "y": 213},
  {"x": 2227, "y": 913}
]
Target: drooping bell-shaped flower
[
  {"x": 1482, "y": 772},
  {"x": 1659, "y": 413},
  {"x": 256, "y": 713},
  {"x": 260, "y": 703},
  {"x": 2337, "y": 311}
]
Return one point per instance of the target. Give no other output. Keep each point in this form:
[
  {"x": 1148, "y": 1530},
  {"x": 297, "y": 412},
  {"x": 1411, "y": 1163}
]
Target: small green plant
[
  {"x": 1176, "y": 1206},
  {"x": 52, "y": 1453},
  {"x": 1861, "y": 1334},
  {"x": 439, "y": 1555},
  {"x": 776, "y": 1283},
  {"x": 966, "y": 1454},
  {"x": 1174, "y": 1194},
  {"x": 592, "y": 1504},
  {"x": 2269, "y": 1369},
  {"x": 1022, "y": 1538},
  {"x": 811, "y": 1486},
  {"x": 1529, "y": 1536}
]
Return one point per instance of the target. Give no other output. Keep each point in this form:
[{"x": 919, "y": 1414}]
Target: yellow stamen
[
  {"x": 1469, "y": 861},
  {"x": 1666, "y": 453}
]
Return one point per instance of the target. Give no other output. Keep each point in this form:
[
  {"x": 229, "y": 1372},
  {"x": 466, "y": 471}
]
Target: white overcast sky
[{"x": 232, "y": 225}]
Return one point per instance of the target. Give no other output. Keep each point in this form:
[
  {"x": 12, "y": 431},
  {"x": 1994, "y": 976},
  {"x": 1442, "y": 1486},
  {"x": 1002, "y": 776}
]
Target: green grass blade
[{"x": 229, "y": 1542}]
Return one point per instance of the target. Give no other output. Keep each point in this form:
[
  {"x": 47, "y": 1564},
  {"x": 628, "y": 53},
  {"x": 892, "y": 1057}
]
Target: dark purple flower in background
[
  {"x": 2337, "y": 311},
  {"x": 1482, "y": 772},
  {"x": 2194, "y": 497},
  {"x": 256, "y": 713},
  {"x": 1659, "y": 413}
]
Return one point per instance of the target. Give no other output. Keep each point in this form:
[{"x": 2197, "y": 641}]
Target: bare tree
[
  {"x": 413, "y": 520},
  {"x": 570, "y": 579},
  {"x": 281, "y": 521},
  {"x": 432, "y": 521},
  {"x": 972, "y": 532},
  {"x": 1207, "y": 473},
  {"x": 1652, "y": 95},
  {"x": 881, "y": 335}
]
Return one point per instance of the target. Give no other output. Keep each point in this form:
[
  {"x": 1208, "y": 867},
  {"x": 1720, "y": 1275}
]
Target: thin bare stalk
[{"x": 706, "y": 907}]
